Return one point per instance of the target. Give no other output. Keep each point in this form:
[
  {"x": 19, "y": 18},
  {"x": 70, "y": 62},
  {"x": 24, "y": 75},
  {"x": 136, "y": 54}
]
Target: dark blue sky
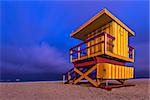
[{"x": 35, "y": 35}]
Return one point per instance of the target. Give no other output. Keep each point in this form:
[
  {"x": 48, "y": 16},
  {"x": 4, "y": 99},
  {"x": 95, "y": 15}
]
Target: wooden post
[
  {"x": 63, "y": 78},
  {"x": 69, "y": 77},
  {"x": 79, "y": 52},
  {"x": 75, "y": 75},
  {"x": 105, "y": 44},
  {"x": 132, "y": 53}
]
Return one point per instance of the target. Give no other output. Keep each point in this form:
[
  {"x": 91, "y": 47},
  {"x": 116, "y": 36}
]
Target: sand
[{"x": 59, "y": 91}]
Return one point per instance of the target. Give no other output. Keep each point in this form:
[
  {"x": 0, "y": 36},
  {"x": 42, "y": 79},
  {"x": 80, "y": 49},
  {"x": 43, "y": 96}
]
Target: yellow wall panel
[
  {"x": 126, "y": 75},
  {"x": 114, "y": 34},
  {"x": 111, "y": 29},
  {"x": 126, "y": 43},
  {"x": 132, "y": 72},
  {"x": 102, "y": 44},
  {"x": 113, "y": 71},
  {"x": 117, "y": 71},
  {"x": 118, "y": 39},
  {"x": 124, "y": 72},
  {"x": 109, "y": 71},
  {"x": 127, "y": 72},
  {"x": 104, "y": 70},
  {"x": 120, "y": 71},
  {"x": 124, "y": 40},
  {"x": 100, "y": 68},
  {"x": 121, "y": 41}
]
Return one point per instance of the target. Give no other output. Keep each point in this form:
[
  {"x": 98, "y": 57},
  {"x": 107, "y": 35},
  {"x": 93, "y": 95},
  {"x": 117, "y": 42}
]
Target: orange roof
[{"x": 98, "y": 20}]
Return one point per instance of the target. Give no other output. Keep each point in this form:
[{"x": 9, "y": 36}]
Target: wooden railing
[
  {"x": 86, "y": 48},
  {"x": 68, "y": 76}
]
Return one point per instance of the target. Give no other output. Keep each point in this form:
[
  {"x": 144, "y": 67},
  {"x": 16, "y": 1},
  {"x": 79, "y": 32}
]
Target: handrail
[
  {"x": 130, "y": 47},
  {"x": 68, "y": 71},
  {"x": 78, "y": 50},
  {"x": 87, "y": 47},
  {"x": 75, "y": 51},
  {"x": 101, "y": 34}
]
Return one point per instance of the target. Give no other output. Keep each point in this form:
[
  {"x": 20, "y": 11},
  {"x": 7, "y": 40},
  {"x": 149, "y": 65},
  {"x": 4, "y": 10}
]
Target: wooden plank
[
  {"x": 100, "y": 69},
  {"x": 119, "y": 39},
  {"x": 120, "y": 72},
  {"x": 127, "y": 44},
  {"x": 124, "y": 44},
  {"x": 104, "y": 70},
  {"x": 127, "y": 72},
  {"x": 123, "y": 72},
  {"x": 121, "y": 42},
  {"x": 130, "y": 72},
  {"x": 114, "y": 34},
  {"x": 113, "y": 72},
  {"x": 109, "y": 71},
  {"x": 117, "y": 71}
]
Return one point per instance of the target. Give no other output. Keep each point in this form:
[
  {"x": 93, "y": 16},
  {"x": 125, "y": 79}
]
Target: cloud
[{"x": 35, "y": 59}]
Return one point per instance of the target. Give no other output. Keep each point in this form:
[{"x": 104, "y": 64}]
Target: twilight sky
[{"x": 35, "y": 35}]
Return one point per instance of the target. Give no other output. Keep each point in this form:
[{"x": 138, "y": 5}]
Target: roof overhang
[{"x": 95, "y": 22}]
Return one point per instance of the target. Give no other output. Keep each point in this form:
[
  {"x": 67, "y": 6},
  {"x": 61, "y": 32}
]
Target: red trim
[
  {"x": 130, "y": 47},
  {"x": 85, "y": 64},
  {"x": 105, "y": 60},
  {"x": 97, "y": 60}
]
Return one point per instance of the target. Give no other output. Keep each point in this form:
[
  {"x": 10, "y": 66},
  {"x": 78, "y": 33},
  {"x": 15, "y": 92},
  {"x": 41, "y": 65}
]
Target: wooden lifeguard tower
[{"x": 103, "y": 53}]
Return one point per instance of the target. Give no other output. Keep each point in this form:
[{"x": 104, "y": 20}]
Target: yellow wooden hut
[{"x": 104, "y": 52}]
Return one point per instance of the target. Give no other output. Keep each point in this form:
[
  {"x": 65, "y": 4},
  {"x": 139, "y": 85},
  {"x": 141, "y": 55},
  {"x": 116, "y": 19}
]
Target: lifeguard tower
[{"x": 103, "y": 53}]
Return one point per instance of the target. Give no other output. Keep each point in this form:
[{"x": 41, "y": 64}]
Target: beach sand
[{"x": 60, "y": 91}]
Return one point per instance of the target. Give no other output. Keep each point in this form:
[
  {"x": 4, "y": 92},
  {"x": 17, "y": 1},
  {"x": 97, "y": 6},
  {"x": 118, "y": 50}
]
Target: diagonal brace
[{"x": 84, "y": 75}]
